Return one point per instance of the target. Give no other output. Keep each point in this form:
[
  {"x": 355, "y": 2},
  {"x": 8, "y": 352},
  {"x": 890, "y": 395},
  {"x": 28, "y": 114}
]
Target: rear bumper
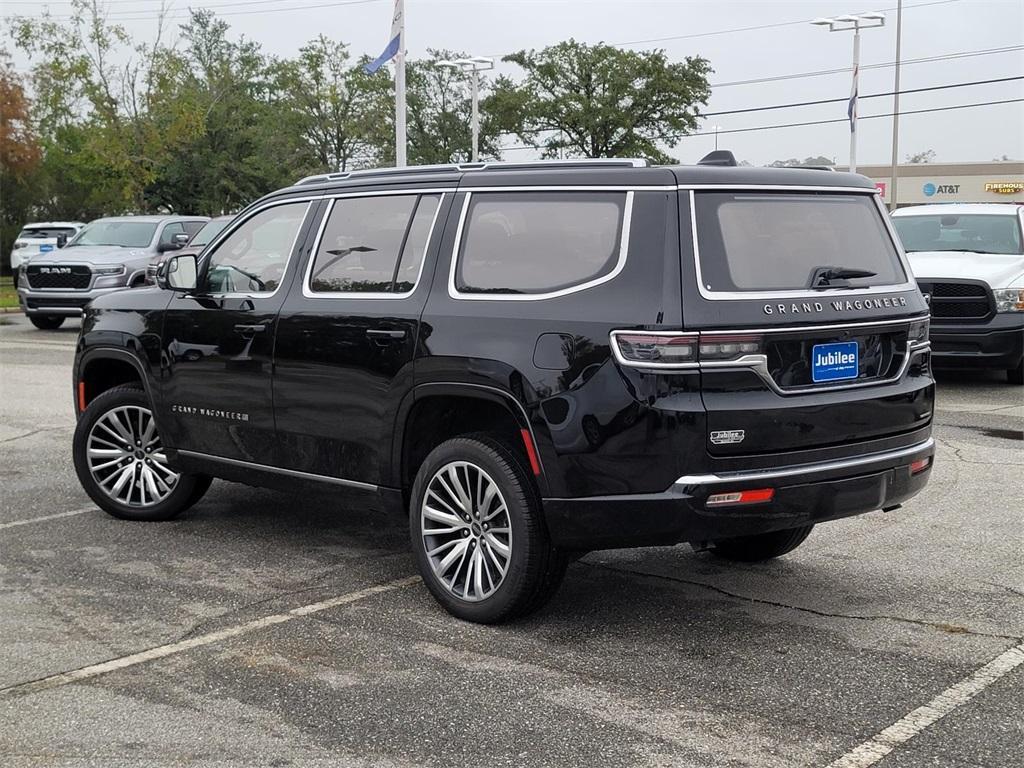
[
  {"x": 804, "y": 494},
  {"x": 997, "y": 344}
]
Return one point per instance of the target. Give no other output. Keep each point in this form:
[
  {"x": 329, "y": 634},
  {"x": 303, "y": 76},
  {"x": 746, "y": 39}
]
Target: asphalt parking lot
[{"x": 273, "y": 630}]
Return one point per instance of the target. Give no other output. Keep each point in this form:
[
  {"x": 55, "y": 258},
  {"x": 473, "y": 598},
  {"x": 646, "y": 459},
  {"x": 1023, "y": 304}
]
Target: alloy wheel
[
  {"x": 126, "y": 458},
  {"x": 466, "y": 531}
]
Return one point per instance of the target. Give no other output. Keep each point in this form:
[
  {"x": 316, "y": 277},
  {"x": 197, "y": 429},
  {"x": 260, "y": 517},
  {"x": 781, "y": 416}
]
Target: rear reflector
[
  {"x": 81, "y": 397},
  {"x": 758, "y": 496},
  {"x": 920, "y": 465},
  {"x": 531, "y": 451}
]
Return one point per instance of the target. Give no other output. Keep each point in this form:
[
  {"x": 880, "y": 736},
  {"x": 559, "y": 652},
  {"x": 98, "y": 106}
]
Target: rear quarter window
[
  {"x": 752, "y": 242},
  {"x": 538, "y": 243}
]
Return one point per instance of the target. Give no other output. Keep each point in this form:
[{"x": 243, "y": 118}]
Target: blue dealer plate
[
  {"x": 45, "y": 248},
  {"x": 834, "y": 362}
]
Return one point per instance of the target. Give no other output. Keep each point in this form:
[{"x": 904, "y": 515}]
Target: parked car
[
  {"x": 969, "y": 260},
  {"x": 41, "y": 237},
  {"x": 190, "y": 244},
  {"x": 731, "y": 356},
  {"x": 106, "y": 255}
]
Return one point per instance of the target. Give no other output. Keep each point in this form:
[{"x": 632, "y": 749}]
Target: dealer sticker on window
[{"x": 834, "y": 362}]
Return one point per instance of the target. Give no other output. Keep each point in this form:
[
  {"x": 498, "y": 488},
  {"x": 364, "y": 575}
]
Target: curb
[{"x": 10, "y": 310}]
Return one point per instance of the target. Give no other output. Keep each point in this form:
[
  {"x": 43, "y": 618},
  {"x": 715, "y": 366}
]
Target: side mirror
[
  {"x": 62, "y": 240},
  {"x": 179, "y": 273},
  {"x": 168, "y": 246},
  {"x": 181, "y": 239}
]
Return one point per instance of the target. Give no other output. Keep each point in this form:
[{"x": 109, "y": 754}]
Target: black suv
[{"x": 531, "y": 361}]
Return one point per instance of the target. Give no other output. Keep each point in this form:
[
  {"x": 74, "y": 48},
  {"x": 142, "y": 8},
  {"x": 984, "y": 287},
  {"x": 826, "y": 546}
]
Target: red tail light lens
[
  {"x": 916, "y": 467},
  {"x": 655, "y": 349}
]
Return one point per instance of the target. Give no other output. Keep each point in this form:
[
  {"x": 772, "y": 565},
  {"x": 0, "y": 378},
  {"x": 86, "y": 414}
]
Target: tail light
[
  {"x": 916, "y": 467},
  {"x": 918, "y": 331},
  {"x": 727, "y": 347},
  {"x": 655, "y": 349},
  {"x": 733, "y": 498}
]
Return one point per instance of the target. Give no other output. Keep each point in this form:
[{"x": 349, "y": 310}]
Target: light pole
[
  {"x": 472, "y": 66},
  {"x": 716, "y": 129},
  {"x": 854, "y": 22}
]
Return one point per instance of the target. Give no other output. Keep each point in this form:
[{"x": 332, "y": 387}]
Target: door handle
[
  {"x": 385, "y": 334},
  {"x": 242, "y": 328}
]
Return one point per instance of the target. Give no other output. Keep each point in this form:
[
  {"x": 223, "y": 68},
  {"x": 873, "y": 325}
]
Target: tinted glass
[
  {"x": 373, "y": 244},
  {"x": 127, "y": 234},
  {"x": 977, "y": 233},
  {"x": 170, "y": 231},
  {"x": 192, "y": 227},
  {"x": 538, "y": 242},
  {"x": 40, "y": 233},
  {"x": 253, "y": 258},
  {"x": 761, "y": 241},
  {"x": 209, "y": 231}
]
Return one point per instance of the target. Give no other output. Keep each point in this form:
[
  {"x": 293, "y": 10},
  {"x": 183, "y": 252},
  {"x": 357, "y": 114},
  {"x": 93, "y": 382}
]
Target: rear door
[
  {"x": 813, "y": 337},
  {"x": 347, "y": 335}
]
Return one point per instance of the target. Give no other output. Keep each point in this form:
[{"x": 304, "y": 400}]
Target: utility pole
[
  {"x": 894, "y": 172},
  {"x": 400, "y": 144}
]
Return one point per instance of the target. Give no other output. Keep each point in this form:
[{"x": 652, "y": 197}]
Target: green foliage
[
  {"x": 201, "y": 121},
  {"x": 601, "y": 101}
]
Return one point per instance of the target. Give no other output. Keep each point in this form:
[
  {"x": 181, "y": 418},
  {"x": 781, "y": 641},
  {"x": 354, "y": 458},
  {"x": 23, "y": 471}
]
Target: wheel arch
[
  {"x": 442, "y": 410},
  {"x": 102, "y": 368}
]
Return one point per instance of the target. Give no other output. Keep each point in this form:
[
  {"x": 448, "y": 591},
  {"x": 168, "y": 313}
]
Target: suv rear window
[
  {"x": 41, "y": 233},
  {"x": 539, "y": 242},
  {"x": 758, "y": 241}
]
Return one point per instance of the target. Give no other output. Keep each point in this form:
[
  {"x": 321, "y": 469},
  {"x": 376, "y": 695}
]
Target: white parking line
[
  {"x": 209, "y": 638},
  {"x": 44, "y": 518},
  {"x": 906, "y": 728}
]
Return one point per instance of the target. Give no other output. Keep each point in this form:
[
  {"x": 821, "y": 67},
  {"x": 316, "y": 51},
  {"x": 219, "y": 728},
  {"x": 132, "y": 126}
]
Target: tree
[
  {"x": 440, "y": 113},
  {"x": 922, "y": 157},
  {"x": 601, "y": 101},
  {"x": 794, "y": 163},
  {"x": 343, "y": 114},
  {"x": 20, "y": 155}
]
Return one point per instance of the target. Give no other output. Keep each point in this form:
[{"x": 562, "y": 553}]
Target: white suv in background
[
  {"x": 41, "y": 237},
  {"x": 969, "y": 258}
]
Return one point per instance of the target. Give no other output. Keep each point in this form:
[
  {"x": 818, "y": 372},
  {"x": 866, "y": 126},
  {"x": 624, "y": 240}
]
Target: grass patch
[{"x": 8, "y": 296}]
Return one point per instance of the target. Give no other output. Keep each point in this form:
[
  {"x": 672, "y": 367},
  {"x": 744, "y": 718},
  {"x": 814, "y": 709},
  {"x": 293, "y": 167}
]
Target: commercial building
[{"x": 995, "y": 182}]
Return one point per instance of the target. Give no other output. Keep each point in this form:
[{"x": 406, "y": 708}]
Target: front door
[
  {"x": 346, "y": 340},
  {"x": 218, "y": 343}
]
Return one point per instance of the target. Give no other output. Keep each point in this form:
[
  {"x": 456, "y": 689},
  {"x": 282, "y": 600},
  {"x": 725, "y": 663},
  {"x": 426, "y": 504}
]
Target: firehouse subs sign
[{"x": 1004, "y": 187}]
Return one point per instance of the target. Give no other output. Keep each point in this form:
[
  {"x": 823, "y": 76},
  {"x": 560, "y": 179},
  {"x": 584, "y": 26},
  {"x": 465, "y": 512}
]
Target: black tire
[
  {"x": 1016, "y": 375},
  {"x": 46, "y": 322},
  {"x": 185, "y": 492},
  {"x": 761, "y": 546},
  {"x": 534, "y": 569}
]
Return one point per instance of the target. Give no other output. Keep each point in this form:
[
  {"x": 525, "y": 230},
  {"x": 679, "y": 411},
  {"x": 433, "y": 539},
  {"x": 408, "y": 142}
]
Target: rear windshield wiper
[{"x": 822, "y": 277}]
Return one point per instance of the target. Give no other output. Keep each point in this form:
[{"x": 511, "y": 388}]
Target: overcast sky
[{"x": 790, "y": 45}]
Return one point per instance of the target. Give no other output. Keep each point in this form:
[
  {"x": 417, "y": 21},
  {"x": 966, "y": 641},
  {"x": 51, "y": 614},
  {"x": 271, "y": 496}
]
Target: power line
[
  {"x": 810, "y": 122},
  {"x": 880, "y": 65},
  {"x": 845, "y": 99}
]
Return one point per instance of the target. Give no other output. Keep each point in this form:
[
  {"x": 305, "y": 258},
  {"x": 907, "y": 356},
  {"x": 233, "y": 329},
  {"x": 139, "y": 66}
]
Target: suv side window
[
  {"x": 253, "y": 258},
  {"x": 539, "y": 243},
  {"x": 373, "y": 244},
  {"x": 193, "y": 226}
]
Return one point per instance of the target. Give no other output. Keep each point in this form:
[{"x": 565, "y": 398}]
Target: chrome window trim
[
  {"x": 280, "y": 470},
  {"x": 777, "y": 188},
  {"x": 627, "y": 217},
  {"x": 311, "y": 294},
  {"x": 571, "y": 188},
  {"x": 789, "y": 295},
  {"x": 208, "y": 252},
  {"x": 804, "y": 469}
]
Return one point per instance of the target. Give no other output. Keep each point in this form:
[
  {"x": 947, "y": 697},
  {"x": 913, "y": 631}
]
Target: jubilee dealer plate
[{"x": 834, "y": 362}]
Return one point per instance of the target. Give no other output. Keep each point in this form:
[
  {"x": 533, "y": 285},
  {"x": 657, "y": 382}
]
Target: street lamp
[
  {"x": 716, "y": 129},
  {"x": 472, "y": 66},
  {"x": 855, "y": 22}
]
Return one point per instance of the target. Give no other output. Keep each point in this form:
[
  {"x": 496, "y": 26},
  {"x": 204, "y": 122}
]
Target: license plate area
[
  {"x": 838, "y": 361},
  {"x": 790, "y": 357}
]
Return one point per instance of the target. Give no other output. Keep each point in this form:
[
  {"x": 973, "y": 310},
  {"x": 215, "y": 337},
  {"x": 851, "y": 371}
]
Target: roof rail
[{"x": 411, "y": 170}]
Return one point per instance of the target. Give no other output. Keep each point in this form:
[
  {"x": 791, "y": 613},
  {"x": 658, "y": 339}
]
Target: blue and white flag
[
  {"x": 397, "y": 26},
  {"x": 851, "y": 110}
]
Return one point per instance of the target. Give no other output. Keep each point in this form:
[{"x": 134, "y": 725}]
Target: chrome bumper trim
[{"x": 806, "y": 469}]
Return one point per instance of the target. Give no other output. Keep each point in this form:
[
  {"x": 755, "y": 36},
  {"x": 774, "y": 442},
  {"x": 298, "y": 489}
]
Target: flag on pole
[
  {"x": 396, "y": 41},
  {"x": 851, "y": 110}
]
